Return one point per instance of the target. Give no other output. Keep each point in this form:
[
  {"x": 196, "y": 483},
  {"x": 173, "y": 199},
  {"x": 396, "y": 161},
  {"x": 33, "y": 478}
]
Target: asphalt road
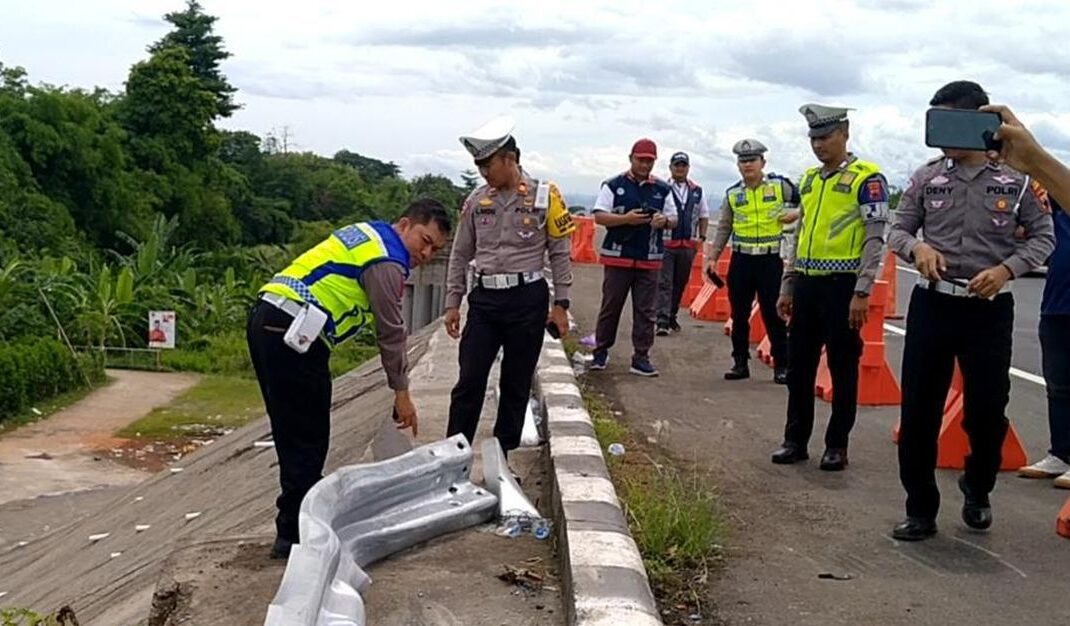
[{"x": 790, "y": 527}]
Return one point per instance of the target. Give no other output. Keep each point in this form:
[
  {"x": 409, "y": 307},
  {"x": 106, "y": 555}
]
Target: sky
[{"x": 400, "y": 81}]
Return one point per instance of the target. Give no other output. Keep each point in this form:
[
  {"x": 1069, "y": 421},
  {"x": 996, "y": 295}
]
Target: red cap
[{"x": 645, "y": 148}]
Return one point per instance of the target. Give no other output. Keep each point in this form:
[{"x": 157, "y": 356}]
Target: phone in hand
[
  {"x": 551, "y": 328},
  {"x": 962, "y": 129},
  {"x": 714, "y": 278}
]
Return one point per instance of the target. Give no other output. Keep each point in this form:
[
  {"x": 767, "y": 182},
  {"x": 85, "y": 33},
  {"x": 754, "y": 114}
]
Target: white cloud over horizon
[{"x": 401, "y": 81}]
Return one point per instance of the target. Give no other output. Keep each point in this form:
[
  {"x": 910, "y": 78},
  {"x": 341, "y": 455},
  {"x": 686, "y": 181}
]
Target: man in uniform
[
  {"x": 844, "y": 209},
  {"x": 961, "y": 309},
  {"x": 753, "y": 213},
  {"x": 692, "y": 220},
  {"x": 508, "y": 227},
  {"x": 634, "y": 207},
  {"x": 352, "y": 281}
]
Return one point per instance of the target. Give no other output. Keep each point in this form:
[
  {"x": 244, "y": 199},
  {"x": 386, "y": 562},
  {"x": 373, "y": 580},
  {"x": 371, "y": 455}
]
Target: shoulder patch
[
  {"x": 1041, "y": 195},
  {"x": 351, "y": 236}
]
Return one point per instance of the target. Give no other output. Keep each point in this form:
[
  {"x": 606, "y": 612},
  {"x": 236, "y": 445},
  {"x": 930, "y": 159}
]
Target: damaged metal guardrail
[{"x": 362, "y": 513}]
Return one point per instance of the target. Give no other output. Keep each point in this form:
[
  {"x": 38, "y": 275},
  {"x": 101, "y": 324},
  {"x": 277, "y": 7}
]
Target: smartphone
[
  {"x": 962, "y": 129},
  {"x": 715, "y": 279},
  {"x": 551, "y": 328}
]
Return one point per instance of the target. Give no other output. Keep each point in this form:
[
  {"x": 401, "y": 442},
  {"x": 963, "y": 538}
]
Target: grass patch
[
  {"x": 673, "y": 516},
  {"x": 48, "y": 407},
  {"x": 25, "y": 617},
  {"x": 214, "y": 404}
]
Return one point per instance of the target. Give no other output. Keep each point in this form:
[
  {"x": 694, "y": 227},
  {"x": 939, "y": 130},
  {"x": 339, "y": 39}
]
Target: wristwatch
[{"x": 562, "y": 303}]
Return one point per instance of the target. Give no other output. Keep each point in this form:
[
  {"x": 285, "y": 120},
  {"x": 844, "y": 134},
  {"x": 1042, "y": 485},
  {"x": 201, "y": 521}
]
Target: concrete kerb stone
[{"x": 604, "y": 581}]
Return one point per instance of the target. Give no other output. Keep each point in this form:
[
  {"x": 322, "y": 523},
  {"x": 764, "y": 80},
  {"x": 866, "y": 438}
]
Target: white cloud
[{"x": 400, "y": 81}]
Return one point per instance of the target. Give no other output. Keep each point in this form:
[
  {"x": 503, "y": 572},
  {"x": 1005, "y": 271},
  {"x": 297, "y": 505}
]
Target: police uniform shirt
[
  {"x": 873, "y": 206},
  {"x": 970, "y": 216},
  {"x": 726, "y": 218},
  {"x": 385, "y": 285},
  {"x": 505, "y": 233}
]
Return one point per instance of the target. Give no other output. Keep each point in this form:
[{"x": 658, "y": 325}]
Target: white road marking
[{"x": 1017, "y": 373}]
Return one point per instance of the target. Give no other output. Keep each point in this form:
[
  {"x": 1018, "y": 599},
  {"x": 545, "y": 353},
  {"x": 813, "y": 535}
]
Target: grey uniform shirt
[
  {"x": 970, "y": 215},
  {"x": 873, "y": 207},
  {"x": 385, "y": 285},
  {"x": 505, "y": 233},
  {"x": 726, "y": 217}
]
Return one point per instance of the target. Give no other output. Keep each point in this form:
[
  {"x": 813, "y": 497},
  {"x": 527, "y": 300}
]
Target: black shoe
[
  {"x": 789, "y": 453},
  {"x": 834, "y": 459},
  {"x": 674, "y": 326},
  {"x": 976, "y": 509},
  {"x": 780, "y": 375},
  {"x": 914, "y": 529},
  {"x": 662, "y": 330},
  {"x": 739, "y": 371},
  {"x": 281, "y": 548}
]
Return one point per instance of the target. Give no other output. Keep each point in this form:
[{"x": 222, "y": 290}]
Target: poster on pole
[{"x": 161, "y": 329}]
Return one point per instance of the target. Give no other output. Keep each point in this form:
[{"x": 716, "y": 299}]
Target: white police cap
[{"x": 489, "y": 138}]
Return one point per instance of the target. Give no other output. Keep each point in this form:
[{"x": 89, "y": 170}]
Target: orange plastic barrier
[
  {"x": 954, "y": 444},
  {"x": 890, "y": 275},
  {"x": 695, "y": 280},
  {"x": 1062, "y": 523},
  {"x": 757, "y": 325},
  {"x": 583, "y": 241},
  {"x": 877, "y": 385}
]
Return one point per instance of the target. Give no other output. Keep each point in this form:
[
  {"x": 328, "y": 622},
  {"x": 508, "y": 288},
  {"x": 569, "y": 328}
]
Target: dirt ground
[
  {"x": 72, "y": 449},
  {"x": 808, "y": 547}
]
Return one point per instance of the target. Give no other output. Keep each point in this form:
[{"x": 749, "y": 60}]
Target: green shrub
[{"x": 36, "y": 369}]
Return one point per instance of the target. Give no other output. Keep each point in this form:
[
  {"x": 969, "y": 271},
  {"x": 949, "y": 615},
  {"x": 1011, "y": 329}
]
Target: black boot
[
  {"x": 780, "y": 375},
  {"x": 739, "y": 371},
  {"x": 976, "y": 508}
]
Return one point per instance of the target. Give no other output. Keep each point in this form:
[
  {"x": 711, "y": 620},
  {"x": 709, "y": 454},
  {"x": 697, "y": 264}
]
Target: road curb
[{"x": 604, "y": 581}]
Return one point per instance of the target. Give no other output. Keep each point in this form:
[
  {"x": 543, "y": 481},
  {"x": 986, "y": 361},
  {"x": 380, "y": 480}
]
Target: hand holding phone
[
  {"x": 714, "y": 278},
  {"x": 962, "y": 129}
]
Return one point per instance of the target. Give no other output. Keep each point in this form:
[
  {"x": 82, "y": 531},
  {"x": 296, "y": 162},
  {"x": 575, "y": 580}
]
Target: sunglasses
[
  {"x": 484, "y": 163},
  {"x": 747, "y": 159}
]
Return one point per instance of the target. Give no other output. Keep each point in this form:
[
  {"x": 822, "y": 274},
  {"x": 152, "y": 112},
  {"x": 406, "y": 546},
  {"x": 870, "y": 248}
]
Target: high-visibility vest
[
  {"x": 328, "y": 276},
  {"x": 756, "y": 212},
  {"x": 832, "y": 231}
]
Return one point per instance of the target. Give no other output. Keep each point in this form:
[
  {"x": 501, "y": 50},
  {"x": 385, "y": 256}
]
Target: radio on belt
[{"x": 306, "y": 326}]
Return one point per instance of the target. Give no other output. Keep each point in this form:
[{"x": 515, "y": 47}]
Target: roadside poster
[{"x": 161, "y": 329}]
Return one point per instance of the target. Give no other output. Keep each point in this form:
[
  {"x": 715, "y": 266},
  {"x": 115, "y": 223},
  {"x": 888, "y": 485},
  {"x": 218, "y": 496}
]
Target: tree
[
  {"x": 440, "y": 188},
  {"x": 471, "y": 180},
  {"x": 371, "y": 170},
  {"x": 193, "y": 33}
]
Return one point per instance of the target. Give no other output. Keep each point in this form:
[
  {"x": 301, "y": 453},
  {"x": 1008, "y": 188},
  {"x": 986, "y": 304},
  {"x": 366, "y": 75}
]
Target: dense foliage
[{"x": 114, "y": 204}]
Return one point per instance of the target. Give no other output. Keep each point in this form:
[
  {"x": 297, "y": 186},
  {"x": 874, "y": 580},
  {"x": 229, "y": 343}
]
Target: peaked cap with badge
[
  {"x": 489, "y": 138},
  {"x": 746, "y": 148},
  {"x": 823, "y": 119}
]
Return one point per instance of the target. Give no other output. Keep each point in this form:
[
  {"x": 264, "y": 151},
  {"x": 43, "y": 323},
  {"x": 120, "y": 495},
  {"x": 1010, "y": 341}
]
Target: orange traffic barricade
[
  {"x": 954, "y": 444},
  {"x": 695, "y": 280},
  {"x": 877, "y": 385},
  {"x": 583, "y": 241},
  {"x": 890, "y": 275},
  {"x": 1062, "y": 524},
  {"x": 757, "y": 325}
]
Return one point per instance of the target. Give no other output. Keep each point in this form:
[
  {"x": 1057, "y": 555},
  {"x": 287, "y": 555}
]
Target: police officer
[
  {"x": 681, "y": 242},
  {"x": 351, "y": 282},
  {"x": 961, "y": 309},
  {"x": 753, "y": 213},
  {"x": 844, "y": 209},
  {"x": 634, "y": 207},
  {"x": 508, "y": 227}
]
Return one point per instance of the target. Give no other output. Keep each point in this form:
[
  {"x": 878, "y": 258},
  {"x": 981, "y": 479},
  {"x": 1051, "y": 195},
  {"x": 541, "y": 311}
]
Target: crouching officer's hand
[
  {"x": 453, "y": 322},
  {"x": 405, "y": 412}
]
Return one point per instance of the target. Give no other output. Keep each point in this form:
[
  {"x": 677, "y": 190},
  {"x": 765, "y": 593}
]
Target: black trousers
[
  {"x": 940, "y": 329},
  {"x": 750, "y": 276},
  {"x": 675, "y": 272},
  {"x": 820, "y": 318},
  {"x": 514, "y": 321},
  {"x": 297, "y": 394}
]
